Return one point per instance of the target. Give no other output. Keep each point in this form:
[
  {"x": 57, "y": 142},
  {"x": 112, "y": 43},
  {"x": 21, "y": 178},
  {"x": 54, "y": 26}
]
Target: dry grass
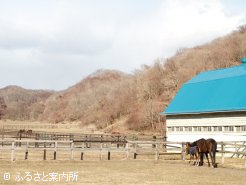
[
  {"x": 125, "y": 172},
  {"x": 65, "y": 127}
]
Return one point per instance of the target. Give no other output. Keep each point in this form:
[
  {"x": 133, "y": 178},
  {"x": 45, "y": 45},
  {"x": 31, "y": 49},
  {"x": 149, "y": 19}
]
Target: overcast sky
[{"x": 53, "y": 44}]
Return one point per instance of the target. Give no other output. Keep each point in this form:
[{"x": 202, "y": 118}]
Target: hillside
[
  {"x": 96, "y": 99},
  {"x": 23, "y": 104},
  {"x": 107, "y": 97}
]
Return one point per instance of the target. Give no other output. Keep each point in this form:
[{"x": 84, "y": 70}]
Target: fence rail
[{"x": 129, "y": 148}]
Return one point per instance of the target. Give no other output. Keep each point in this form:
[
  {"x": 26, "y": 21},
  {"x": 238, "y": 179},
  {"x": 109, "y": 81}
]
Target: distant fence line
[
  {"x": 41, "y": 126},
  {"x": 130, "y": 148}
]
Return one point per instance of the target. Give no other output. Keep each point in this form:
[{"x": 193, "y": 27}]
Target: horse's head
[{"x": 187, "y": 148}]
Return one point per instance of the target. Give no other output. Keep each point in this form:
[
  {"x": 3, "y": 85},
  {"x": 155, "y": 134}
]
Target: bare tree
[{"x": 3, "y": 107}]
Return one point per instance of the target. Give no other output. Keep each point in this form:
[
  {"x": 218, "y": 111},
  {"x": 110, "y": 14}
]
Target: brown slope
[
  {"x": 96, "y": 99},
  {"x": 22, "y": 103}
]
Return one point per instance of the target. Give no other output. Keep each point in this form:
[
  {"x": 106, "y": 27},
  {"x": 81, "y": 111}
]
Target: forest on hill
[{"x": 107, "y": 96}]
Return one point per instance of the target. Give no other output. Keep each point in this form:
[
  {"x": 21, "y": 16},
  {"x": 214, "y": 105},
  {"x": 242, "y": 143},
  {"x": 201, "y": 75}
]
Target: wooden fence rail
[
  {"x": 134, "y": 148},
  {"x": 232, "y": 148}
]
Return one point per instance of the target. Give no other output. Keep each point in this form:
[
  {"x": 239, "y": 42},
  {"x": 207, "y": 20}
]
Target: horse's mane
[{"x": 195, "y": 143}]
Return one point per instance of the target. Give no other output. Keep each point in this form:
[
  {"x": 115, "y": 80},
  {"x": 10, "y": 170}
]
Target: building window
[
  {"x": 217, "y": 128},
  {"x": 177, "y": 129},
  {"x": 188, "y": 129},
  {"x": 238, "y": 128},
  {"x": 199, "y": 129},
  {"x": 243, "y": 128},
  {"x": 205, "y": 129},
  {"x": 195, "y": 129},
  {"x": 228, "y": 128},
  {"x": 170, "y": 129},
  {"x": 231, "y": 128},
  {"x": 209, "y": 129},
  {"x": 220, "y": 128},
  {"x": 181, "y": 129}
]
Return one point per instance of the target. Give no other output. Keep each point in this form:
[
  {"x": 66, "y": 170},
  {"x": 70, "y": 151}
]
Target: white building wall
[
  {"x": 222, "y": 121},
  {"x": 189, "y": 132}
]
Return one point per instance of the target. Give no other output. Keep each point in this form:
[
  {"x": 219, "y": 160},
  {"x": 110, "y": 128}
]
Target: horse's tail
[{"x": 214, "y": 151}]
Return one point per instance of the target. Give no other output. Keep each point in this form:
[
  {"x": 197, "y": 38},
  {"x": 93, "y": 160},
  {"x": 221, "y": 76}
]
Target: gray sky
[{"x": 53, "y": 44}]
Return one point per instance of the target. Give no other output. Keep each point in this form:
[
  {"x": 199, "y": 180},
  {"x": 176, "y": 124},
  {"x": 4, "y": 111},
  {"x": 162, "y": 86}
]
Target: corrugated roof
[{"x": 220, "y": 90}]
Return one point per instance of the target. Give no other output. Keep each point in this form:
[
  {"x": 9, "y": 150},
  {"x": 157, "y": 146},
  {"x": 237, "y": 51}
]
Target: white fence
[{"x": 131, "y": 149}]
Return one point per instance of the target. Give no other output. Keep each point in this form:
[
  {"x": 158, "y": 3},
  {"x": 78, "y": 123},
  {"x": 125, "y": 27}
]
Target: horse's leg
[
  {"x": 213, "y": 154},
  {"x": 192, "y": 159},
  {"x": 212, "y": 158},
  {"x": 208, "y": 158},
  {"x": 201, "y": 159},
  {"x": 197, "y": 159}
]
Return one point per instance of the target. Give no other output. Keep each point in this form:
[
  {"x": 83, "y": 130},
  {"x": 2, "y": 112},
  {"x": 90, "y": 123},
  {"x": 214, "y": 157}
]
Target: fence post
[
  {"x": 109, "y": 146},
  {"x": 154, "y": 140},
  {"x": 81, "y": 156},
  {"x": 2, "y": 134},
  {"x": 118, "y": 141},
  {"x": 55, "y": 150},
  {"x": 86, "y": 144},
  {"x": 27, "y": 145},
  {"x": 101, "y": 146},
  {"x": 82, "y": 153},
  {"x": 13, "y": 151},
  {"x": 182, "y": 152},
  {"x": 127, "y": 150},
  {"x": 37, "y": 138},
  {"x": 135, "y": 151},
  {"x": 44, "y": 151},
  {"x": 72, "y": 152},
  {"x": 222, "y": 153},
  {"x": 245, "y": 160},
  {"x": 20, "y": 139},
  {"x": 157, "y": 151},
  {"x": 90, "y": 141},
  {"x": 237, "y": 149}
]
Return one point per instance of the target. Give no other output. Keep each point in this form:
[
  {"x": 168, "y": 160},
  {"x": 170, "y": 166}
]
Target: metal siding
[
  {"x": 201, "y": 122},
  {"x": 223, "y": 121}
]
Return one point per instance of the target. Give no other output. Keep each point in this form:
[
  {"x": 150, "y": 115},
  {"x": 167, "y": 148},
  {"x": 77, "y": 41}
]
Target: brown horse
[
  {"x": 29, "y": 132},
  {"x": 202, "y": 146},
  {"x": 212, "y": 148},
  {"x": 206, "y": 147},
  {"x": 193, "y": 152}
]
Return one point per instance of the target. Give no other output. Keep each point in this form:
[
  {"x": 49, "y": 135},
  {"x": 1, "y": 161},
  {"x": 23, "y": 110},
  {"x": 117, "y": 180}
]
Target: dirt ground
[{"x": 119, "y": 172}]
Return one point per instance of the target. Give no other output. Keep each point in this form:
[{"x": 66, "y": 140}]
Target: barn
[{"x": 212, "y": 104}]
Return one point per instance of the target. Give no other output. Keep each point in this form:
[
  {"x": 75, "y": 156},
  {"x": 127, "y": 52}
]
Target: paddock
[
  {"x": 15, "y": 150},
  {"x": 107, "y": 160}
]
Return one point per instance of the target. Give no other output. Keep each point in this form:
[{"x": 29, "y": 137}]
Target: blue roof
[{"x": 222, "y": 90}]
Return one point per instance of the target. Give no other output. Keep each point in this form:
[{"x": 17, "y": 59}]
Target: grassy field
[{"x": 118, "y": 172}]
